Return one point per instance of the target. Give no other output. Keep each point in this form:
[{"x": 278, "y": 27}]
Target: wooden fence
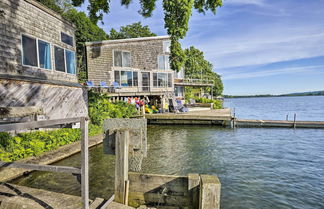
[{"x": 84, "y": 171}]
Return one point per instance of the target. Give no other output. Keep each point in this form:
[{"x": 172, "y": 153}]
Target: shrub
[
  {"x": 36, "y": 142},
  {"x": 100, "y": 108},
  {"x": 217, "y": 104}
]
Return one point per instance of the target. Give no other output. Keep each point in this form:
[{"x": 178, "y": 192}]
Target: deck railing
[
  {"x": 193, "y": 81},
  {"x": 84, "y": 171}
]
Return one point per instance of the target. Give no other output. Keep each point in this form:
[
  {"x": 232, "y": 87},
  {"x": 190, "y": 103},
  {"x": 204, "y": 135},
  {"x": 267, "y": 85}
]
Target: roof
[
  {"x": 49, "y": 11},
  {"x": 151, "y": 38}
]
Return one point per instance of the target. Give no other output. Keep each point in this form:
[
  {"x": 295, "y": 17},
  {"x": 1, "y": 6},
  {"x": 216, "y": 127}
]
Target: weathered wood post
[
  {"x": 210, "y": 189},
  {"x": 193, "y": 188},
  {"x": 85, "y": 163},
  {"x": 121, "y": 167},
  {"x": 295, "y": 120}
]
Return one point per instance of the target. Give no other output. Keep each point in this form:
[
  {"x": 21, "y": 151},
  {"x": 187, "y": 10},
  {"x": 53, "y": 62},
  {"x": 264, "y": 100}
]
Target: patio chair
[
  {"x": 90, "y": 84},
  {"x": 103, "y": 84}
]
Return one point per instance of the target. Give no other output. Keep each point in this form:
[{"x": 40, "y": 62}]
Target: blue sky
[{"x": 257, "y": 46}]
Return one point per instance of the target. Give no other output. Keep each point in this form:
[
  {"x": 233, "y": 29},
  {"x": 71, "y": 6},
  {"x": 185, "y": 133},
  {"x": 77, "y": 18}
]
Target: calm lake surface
[
  {"x": 276, "y": 108},
  {"x": 258, "y": 167}
]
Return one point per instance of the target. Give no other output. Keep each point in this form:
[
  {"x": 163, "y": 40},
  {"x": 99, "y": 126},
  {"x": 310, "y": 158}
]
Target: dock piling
[{"x": 295, "y": 120}]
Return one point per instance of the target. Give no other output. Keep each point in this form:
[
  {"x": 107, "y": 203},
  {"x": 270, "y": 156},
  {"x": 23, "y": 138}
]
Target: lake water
[
  {"x": 277, "y": 108},
  {"x": 258, "y": 167}
]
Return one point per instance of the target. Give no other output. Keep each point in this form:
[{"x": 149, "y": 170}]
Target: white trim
[{"x": 127, "y": 40}]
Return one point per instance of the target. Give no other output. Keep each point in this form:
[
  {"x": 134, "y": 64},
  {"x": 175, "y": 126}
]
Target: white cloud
[
  {"x": 275, "y": 44},
  {"x": 265, "y": 73}
]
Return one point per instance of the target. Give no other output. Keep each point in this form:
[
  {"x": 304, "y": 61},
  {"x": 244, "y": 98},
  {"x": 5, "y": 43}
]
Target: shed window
[
  {"x": 122, "y": 59},
  {"x": 66, "y": 39},
  {"x": 163, "y": 62},
  {"x": 29, "y": 51},
  {"x": 70, "y": 62},
  {"x": 44, "y": 54},
  {"x": 59, "y": 59}
]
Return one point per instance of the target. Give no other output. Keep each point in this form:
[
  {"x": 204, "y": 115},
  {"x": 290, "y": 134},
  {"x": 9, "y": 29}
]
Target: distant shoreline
[{"x": 315, "y": 93}]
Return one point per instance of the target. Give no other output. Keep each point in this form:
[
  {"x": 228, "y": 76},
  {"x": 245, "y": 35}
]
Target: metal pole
[{"x": 84, "y": 163}]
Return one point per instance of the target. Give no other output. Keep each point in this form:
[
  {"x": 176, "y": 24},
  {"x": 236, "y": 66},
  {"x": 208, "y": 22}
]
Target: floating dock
[{"x": 278, "y": 123}]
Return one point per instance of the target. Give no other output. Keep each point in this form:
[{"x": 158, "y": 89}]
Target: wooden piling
[
  {"x": 121, "y": 167},
  {"x": 295, "y": 120},
  {"x": 84, "y": 163},
  {"x": 210, "y": 189}
]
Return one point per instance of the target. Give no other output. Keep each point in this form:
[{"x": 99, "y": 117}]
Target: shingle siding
[{"x": 30, "y": 18}]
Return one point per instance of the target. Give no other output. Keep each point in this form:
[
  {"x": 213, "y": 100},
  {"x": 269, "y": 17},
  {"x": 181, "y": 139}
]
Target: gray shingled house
[
  {"x": 132, "y": 67},
  {"x": 38, "y": 61}
]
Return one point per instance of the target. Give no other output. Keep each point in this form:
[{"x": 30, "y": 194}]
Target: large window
[
  {"x": 126, "y": 78},
  {"x": 44, "y": 52},
  {"x": 70, "y": 62},
  {"x": 66, "y": 39},
  {"x": 29, "y": 51},
  {"x": 122, "y": 59},
  {"x": 162, "y": 79},
  {"x": 59, "y": 59},
  {"x": 64, "y": 60},
  {"x": 163, "y": 62},
  {"x": 36, "y": 53}
]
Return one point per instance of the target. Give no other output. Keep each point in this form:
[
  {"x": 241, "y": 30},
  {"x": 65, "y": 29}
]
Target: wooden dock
[
  {"x": 278, "y": 123},
  {"x": 223, "y": 117},
  {"x": 204, "y": 117}
]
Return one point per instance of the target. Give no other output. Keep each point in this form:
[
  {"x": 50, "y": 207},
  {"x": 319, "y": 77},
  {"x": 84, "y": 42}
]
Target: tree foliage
[
  {"x": 177, "y": 15},
  {"x": 134, "y": 30},
  {"x": 85, "y": 31},
  {"x": 196, "y": 66}
]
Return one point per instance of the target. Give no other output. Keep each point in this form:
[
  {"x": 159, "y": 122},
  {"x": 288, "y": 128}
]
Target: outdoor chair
[
  {"x": 90, "y": 84},
  {"x": 103, "y": 84}
]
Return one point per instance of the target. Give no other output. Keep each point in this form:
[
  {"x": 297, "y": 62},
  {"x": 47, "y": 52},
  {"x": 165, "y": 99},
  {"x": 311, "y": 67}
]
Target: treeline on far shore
[{"x": 312, "y": 93}]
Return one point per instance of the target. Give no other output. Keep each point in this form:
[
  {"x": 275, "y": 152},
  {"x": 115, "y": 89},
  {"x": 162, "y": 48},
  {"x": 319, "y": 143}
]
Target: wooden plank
[
  {"x": 37, "y": 124},
  {"x": 111, "y": 199},
  {"x": 37, "y": 167},
  {"x": 121, "y": 167},
  {"x": 126, "y": 192},
  {"x": 84, "y": 164}
]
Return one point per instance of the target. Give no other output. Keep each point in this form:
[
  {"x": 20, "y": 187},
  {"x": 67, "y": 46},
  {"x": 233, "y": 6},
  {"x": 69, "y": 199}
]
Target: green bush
[
  {"x": 217, "y": 104},
  {"x": 100, "y": 108},
  {"x": 35, "y": 143}
]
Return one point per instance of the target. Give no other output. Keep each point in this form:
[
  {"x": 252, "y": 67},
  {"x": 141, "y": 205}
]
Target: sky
[{"x": 257, "y": 46}]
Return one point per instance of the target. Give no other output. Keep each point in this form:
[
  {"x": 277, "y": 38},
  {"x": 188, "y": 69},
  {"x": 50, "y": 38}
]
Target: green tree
[
  {"x": 52, "y": 4},
  {"x": 177, "y": 15},
  {"x": 197, "y": 67},
  {"x": 85, "y": 31},
  {"x": 134, "y": 30}
]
